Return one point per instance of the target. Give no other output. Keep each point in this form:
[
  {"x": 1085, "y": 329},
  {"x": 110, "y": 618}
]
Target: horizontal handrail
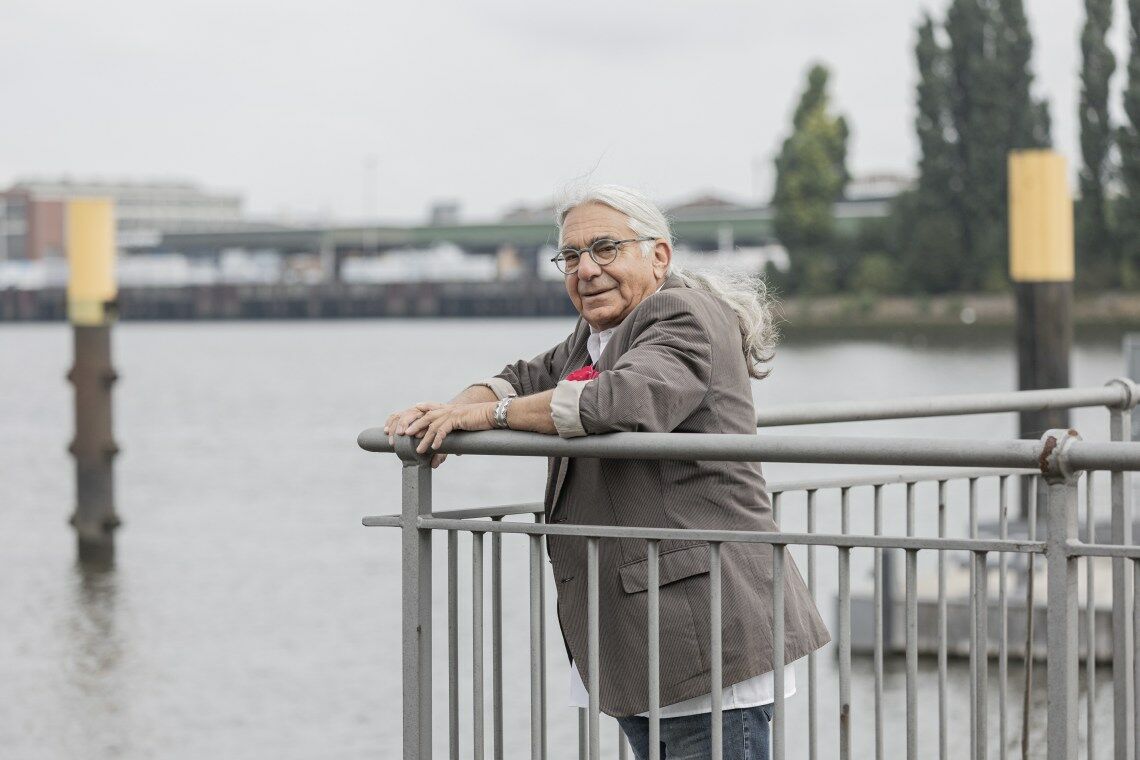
[
  {"x": 851, "y": 541},
  {"x": 819, "y": 484},
  {"x": 1119, "y": 393},
  {"x": 897, "y": 478},
  {"x": 931, "y": 452},
  {"x": 1081, "y": 549}
]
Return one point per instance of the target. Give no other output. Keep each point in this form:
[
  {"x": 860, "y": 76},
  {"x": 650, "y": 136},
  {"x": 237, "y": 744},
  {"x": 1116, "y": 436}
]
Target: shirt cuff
[
  {"x": 564, "y": 408},
  {"x": 500, "y": 387}
]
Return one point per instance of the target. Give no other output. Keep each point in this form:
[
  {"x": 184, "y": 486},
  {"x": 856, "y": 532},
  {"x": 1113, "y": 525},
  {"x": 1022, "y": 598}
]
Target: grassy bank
[{"x": 1095, "y": 316}]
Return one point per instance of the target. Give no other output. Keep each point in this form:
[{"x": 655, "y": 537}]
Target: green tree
[
  {"x": 811, "y": 174},
  {"x": 975, "y": 105},
  {"x": 876, "y": 274},
  {"x": 1128, "y": 138},
  {"x": 927, "y": 222},
  {"x": 1027, "y": 118},
  {"x": 1094, "y": 225}
]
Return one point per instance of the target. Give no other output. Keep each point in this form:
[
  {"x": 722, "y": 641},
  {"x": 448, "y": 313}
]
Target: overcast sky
[{"x": 492, "y": 103}]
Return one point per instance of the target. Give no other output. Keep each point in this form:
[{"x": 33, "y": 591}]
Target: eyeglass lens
[{"x": 602, "y": 252}]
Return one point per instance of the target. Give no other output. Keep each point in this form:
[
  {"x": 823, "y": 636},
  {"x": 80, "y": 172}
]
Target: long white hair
[{"x": 747, "y": 295}]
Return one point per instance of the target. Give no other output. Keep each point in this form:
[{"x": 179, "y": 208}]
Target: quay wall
[
  {"x": 538, "y": 298},
  {"x": 296, "y": 301}
]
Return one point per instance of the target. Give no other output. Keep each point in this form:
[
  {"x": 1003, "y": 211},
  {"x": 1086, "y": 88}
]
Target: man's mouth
[{"x": 596, "y": 293}]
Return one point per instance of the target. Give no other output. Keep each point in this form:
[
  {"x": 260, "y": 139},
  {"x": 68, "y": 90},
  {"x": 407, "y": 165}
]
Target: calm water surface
[{"x": 251, "y": 616}]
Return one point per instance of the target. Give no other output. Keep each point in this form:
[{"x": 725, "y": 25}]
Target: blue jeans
[{"x": 745, "y": 735}]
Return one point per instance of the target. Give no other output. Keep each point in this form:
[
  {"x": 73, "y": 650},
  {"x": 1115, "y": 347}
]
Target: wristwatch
[{"x": 500, "y": 418}]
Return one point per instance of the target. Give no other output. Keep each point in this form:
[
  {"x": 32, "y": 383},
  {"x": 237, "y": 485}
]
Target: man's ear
[{"x": 662, "y": 257}]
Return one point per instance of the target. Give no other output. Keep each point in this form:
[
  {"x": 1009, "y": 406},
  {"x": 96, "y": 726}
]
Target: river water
[{"x": 250, "y": 615}]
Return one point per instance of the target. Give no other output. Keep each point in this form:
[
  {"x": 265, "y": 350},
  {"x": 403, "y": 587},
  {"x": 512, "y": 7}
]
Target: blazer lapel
[{"x": 579, "y": 356}]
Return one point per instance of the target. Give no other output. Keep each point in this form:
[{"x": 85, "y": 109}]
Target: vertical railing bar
[
  {"x": 653, "y": 587},
  {"x": 477, "y": 703},
  {"x": 1003, "y": 615},
  {"x": 973, "y": 507},
  {"x": 1030, "y": 574},
  {"x": 453, "y": 644},
  {"x": 716, "y": 654},
  {"x": 540, "y": 517},
  {"x": 878, "y": 627},
  {"x": 497, "y": 641},
  {"x": 1090, "y": 618},
  {"x": 583, "y": 734},
  {"x": 778, "y": 716},
  {"x": 812, "y": 675},
  {"x": 1136, "y": 623},
  {"x": 1061, "y": 621},
  {"x": 536, "y": 647},
  {"x": 911, "y": 633},
  {"x": 1125, "y": 722},
  {"x": 943, "y": 704},
  {"x": 592, "y": 646},
  {"x": 981, "y": 658},
  {"x": 415, "y": 602},
  {"x": 844, "y": 632}
]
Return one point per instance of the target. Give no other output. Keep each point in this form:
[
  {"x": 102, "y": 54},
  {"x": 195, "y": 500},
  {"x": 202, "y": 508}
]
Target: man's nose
[{"x": 588, "y": 269}]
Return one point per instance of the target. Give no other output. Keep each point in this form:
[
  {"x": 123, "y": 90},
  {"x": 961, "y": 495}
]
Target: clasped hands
[{"x": 431, "y": 422}]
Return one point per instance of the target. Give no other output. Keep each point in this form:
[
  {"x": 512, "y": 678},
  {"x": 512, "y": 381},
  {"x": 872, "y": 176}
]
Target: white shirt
[{"x": 758, "y": 690}]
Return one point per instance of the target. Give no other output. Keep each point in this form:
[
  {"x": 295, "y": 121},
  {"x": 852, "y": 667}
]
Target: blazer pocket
[{"x": 672, "y": 566}]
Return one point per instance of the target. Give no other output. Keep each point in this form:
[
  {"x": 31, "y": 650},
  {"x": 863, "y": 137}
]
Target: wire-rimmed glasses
[{"x": 602, "y": 251}]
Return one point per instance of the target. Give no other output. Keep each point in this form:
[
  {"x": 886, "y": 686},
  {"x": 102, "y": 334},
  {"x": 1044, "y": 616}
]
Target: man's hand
[
  {"x": 433, "y": 425},
  {"x": 398, "y": 423}
]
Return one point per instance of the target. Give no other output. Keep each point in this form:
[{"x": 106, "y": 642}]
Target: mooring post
[
  {"x": 91, "y": 292},
  {"x": 416, "y": 599},
  {"x": 1062, "y": 616},
  {"x": 1041, "y": 266}
]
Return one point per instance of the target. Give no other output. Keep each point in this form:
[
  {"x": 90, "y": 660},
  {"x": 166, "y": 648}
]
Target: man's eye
[
  {"x": 605, "y": 247},
  {"x": 570, "y": 258}
]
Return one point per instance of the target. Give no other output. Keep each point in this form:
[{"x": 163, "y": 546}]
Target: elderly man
[{"x": 655, "y": 350}]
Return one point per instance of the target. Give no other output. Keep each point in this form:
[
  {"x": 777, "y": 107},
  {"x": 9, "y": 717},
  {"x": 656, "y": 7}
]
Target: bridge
[{"x": 702, "y": 229}]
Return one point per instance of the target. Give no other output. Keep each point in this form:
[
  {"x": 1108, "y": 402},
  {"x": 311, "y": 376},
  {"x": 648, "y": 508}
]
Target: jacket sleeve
[
  {"x": 525, "y": 378},
  {"x": 656, "y": 384}
]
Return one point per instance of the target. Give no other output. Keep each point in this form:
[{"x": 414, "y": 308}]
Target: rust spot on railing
[{"x": 1043, "y": 460}]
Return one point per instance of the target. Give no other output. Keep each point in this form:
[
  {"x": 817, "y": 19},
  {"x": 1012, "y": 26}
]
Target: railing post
[
  {"x": 1120, "y": 429},
  {"x": 1061, "y": 620},
  {"x": 416, "y": 600}
]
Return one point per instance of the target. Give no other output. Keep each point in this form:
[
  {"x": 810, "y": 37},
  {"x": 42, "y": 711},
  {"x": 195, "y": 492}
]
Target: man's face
[{"x": 604, "y": 296}]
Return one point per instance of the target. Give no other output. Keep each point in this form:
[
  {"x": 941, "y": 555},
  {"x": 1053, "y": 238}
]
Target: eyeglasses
[{"x": 602, "y": 252}]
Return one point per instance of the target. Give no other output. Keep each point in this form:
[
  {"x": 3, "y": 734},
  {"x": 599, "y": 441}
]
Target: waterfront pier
[{"x": 1052, "y": 469}]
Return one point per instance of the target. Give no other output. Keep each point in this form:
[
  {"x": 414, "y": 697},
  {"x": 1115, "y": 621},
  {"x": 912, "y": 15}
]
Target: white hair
[{"x": 747, "y": 295}]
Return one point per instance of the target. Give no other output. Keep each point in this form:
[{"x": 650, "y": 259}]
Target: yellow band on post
[
  {"x": 1040, "y": 218},
  {"x": 91, "y": 260}
]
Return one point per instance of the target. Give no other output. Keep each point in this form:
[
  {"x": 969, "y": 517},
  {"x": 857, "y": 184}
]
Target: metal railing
[{"x": 1053, "y": 467}]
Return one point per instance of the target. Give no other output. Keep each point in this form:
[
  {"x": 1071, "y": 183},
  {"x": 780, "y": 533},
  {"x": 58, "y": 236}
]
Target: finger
[
  {"x": 437, "y": 460},
  {"x": 426, "y": 438},
  {"x": 445, "y": 427},
  {"x": 435, "y": 434},
  {"x": 421, "y": 422},
  {"x": 405, "y": 420},
  {"x": 409, "y": 418}
]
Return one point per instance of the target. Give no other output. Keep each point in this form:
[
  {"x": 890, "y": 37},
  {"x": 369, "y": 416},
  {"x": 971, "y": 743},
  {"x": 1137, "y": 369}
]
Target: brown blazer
[{"x": 674, "y": 364}]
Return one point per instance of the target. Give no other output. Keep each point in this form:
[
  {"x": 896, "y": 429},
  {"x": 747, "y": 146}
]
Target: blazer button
[
  {"x": 567, "y": 579},
  {"x": 559, "y": 520}
]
